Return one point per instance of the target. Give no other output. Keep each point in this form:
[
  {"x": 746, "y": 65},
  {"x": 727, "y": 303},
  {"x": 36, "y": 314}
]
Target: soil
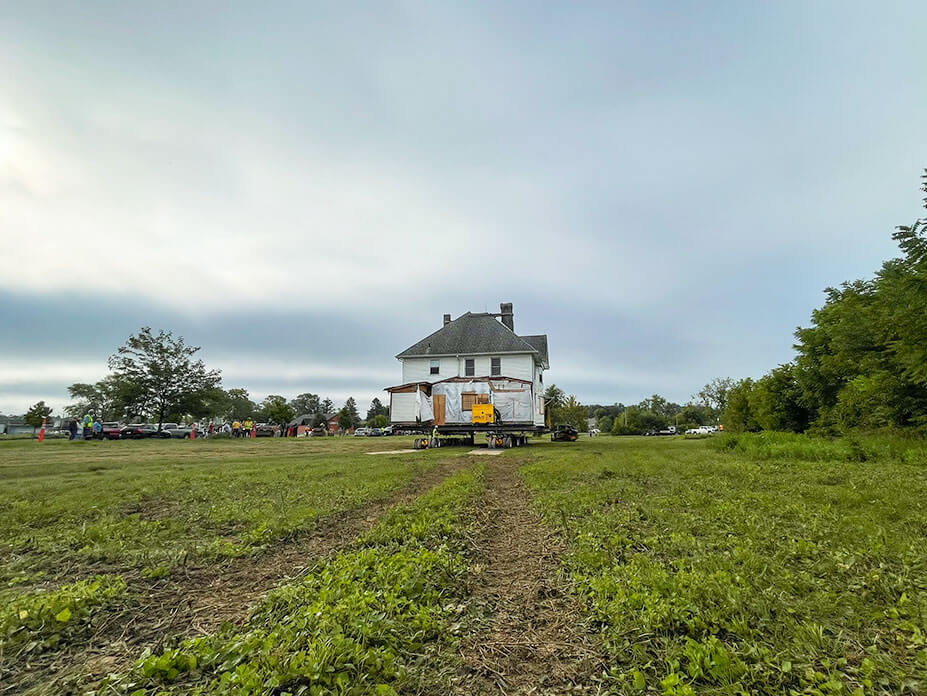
[
  {"x": 197, "y": 600},
  {"x": 530, "y": 638}
]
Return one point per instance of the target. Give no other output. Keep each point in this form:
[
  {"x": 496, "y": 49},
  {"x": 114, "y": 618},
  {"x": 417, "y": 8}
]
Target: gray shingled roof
[
  {"x": 539, "y": 343},
  {"x": 474, "y": 334}
]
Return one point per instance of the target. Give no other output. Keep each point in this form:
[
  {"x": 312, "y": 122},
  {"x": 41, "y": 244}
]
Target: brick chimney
[
  {"x": 447, "y": 319},
  {"x": 508, "y": 315}
]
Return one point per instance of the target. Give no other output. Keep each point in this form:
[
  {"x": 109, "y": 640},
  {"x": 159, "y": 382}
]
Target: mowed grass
[
  {"x": 760, "y": 565},
  {"x": 77, "y": 519}
]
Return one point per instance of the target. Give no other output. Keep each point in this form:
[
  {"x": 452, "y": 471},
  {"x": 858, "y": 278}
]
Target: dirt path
[
  {"x": 198, "y": 600},
  {"x": 531, "y": 640}
]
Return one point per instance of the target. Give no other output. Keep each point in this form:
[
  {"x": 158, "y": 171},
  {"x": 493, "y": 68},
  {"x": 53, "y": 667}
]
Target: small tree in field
[
  {"x": 36, "y": 413},
  {"x": 163, "y": 372}
]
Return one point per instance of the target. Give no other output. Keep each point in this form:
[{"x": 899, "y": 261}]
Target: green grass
[
  {"x": 854, "y": 448},
  {"x": 747, "y": 564},
  {"x": 778, "y": 565},
  {"x": 355, "y": 625},
  {"x": 71, "y": 511}
]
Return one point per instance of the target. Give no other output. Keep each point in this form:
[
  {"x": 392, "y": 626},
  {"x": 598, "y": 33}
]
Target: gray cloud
[{"x": 663, "y": 190}]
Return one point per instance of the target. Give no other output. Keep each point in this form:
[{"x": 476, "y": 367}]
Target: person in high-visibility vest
[{"x": 88, "y": 426}]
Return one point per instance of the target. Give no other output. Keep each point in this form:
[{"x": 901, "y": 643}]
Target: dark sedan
[{"x": 141, "y": 431}]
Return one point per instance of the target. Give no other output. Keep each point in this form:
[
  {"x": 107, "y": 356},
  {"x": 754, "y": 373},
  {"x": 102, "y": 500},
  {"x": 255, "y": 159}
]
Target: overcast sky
[{"x": 303, "y": 189}]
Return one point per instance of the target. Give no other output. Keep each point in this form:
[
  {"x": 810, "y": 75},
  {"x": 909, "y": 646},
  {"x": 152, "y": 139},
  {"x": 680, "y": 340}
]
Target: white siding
[
  {"x": 538, "y": 387},
  {"x": 419, "y": 369},
  {"x": 518, "y": 366}
]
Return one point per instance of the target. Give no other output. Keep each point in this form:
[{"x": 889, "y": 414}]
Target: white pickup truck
[{"x": 701, "y": 430}]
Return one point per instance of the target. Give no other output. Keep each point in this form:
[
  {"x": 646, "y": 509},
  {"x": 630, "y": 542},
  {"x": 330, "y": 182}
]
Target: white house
[{"x": 476, "y": 358}]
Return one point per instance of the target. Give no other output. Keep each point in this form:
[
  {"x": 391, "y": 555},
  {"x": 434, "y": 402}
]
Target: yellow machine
[{"x": 484, "y": 413}]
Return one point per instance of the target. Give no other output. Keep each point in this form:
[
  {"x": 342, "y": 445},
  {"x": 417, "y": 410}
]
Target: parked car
[
  {"x": 374, "y": 432},
  {"x": 179, "y": 432},
  {"x": 111, "y": 431},
  {"x": 264, "y": 430},
  {"x": 388, "y": 430},
  {"x": 140, "y": 431},
  {"x": 361, "y": 432}
]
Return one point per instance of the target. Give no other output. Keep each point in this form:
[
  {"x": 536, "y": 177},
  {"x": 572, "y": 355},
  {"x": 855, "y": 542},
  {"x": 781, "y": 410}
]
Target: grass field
[{"x": 733, "y": 565}]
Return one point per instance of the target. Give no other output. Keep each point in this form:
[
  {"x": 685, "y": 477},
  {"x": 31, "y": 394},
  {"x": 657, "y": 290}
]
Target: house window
[
  {"x": 540, "y": 377},
  {"x": 469, "y": 368},
  {"x": 496, "y": 367},
  {"x": 435, "y": 367}
]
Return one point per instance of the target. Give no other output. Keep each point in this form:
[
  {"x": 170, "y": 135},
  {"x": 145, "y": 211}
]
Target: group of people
[
  {"x": 244, "y": 428},
  {"x": 89, "y": 427}
]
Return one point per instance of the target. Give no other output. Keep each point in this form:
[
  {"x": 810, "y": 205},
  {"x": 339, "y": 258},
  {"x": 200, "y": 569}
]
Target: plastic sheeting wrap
[
  {"x": 514, "y": 407},
  {"x": 427, "y": 409},
  {"x": 513, "y": 400},
  {"x": 453, "y": 399}
]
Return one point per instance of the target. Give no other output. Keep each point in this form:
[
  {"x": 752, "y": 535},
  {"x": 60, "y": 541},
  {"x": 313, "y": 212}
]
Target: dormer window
[
  {"x": 496, "y": 370},
  {"x": 435, "y": 367}
]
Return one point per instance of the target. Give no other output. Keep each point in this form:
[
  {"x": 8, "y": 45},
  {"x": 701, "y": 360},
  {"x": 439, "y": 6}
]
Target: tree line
[
  {"x": 158, "y": 378},
  {"x": 652, "y": 413},
  {"x": 861, "y": 364}
]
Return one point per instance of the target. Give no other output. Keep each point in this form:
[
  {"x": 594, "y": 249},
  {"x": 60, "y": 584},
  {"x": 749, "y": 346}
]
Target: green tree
[
  {"x": 776, "y": 401},
  {"x": 327, "y": 407},
  {"x": 350, "y": 407},
  {"x": 163, "y": 371},
  {"x": 275, "y": 409},
  {"x": 36, "y": 413},
  {"x": 714, "y": 395},
  {"x": 239, "y": 405},
  {"x": 305, "y": 404},
  {"x": 380, "y": 421},
  {"x": 554, "y": 397},
  {"x": 345, "y": 420},
  {"x": 377, "y": 409},
  {"x": 572, "y": 413},
  {"x": 739, "y": 416},
  {"x": 692, "y": 415}
]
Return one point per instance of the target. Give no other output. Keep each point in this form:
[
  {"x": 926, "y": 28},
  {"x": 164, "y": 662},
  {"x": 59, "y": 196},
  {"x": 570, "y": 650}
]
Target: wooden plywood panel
[{"x": 439, "y": 408}]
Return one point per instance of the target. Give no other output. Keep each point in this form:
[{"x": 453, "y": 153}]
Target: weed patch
[
  {"x": 806, "y": 575},
  {"x": 38, "y": 621}
]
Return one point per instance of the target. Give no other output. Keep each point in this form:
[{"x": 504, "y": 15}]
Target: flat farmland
[{"x": 760, "y": 565}]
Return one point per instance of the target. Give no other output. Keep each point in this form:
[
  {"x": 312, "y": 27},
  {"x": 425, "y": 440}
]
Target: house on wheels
[{"x": 474, "y": 374}]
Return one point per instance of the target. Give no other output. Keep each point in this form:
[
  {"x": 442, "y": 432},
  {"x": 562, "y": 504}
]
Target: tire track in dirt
[
  {"x": 202, "y": 598},
  {"x": 531, "y": 638}
]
